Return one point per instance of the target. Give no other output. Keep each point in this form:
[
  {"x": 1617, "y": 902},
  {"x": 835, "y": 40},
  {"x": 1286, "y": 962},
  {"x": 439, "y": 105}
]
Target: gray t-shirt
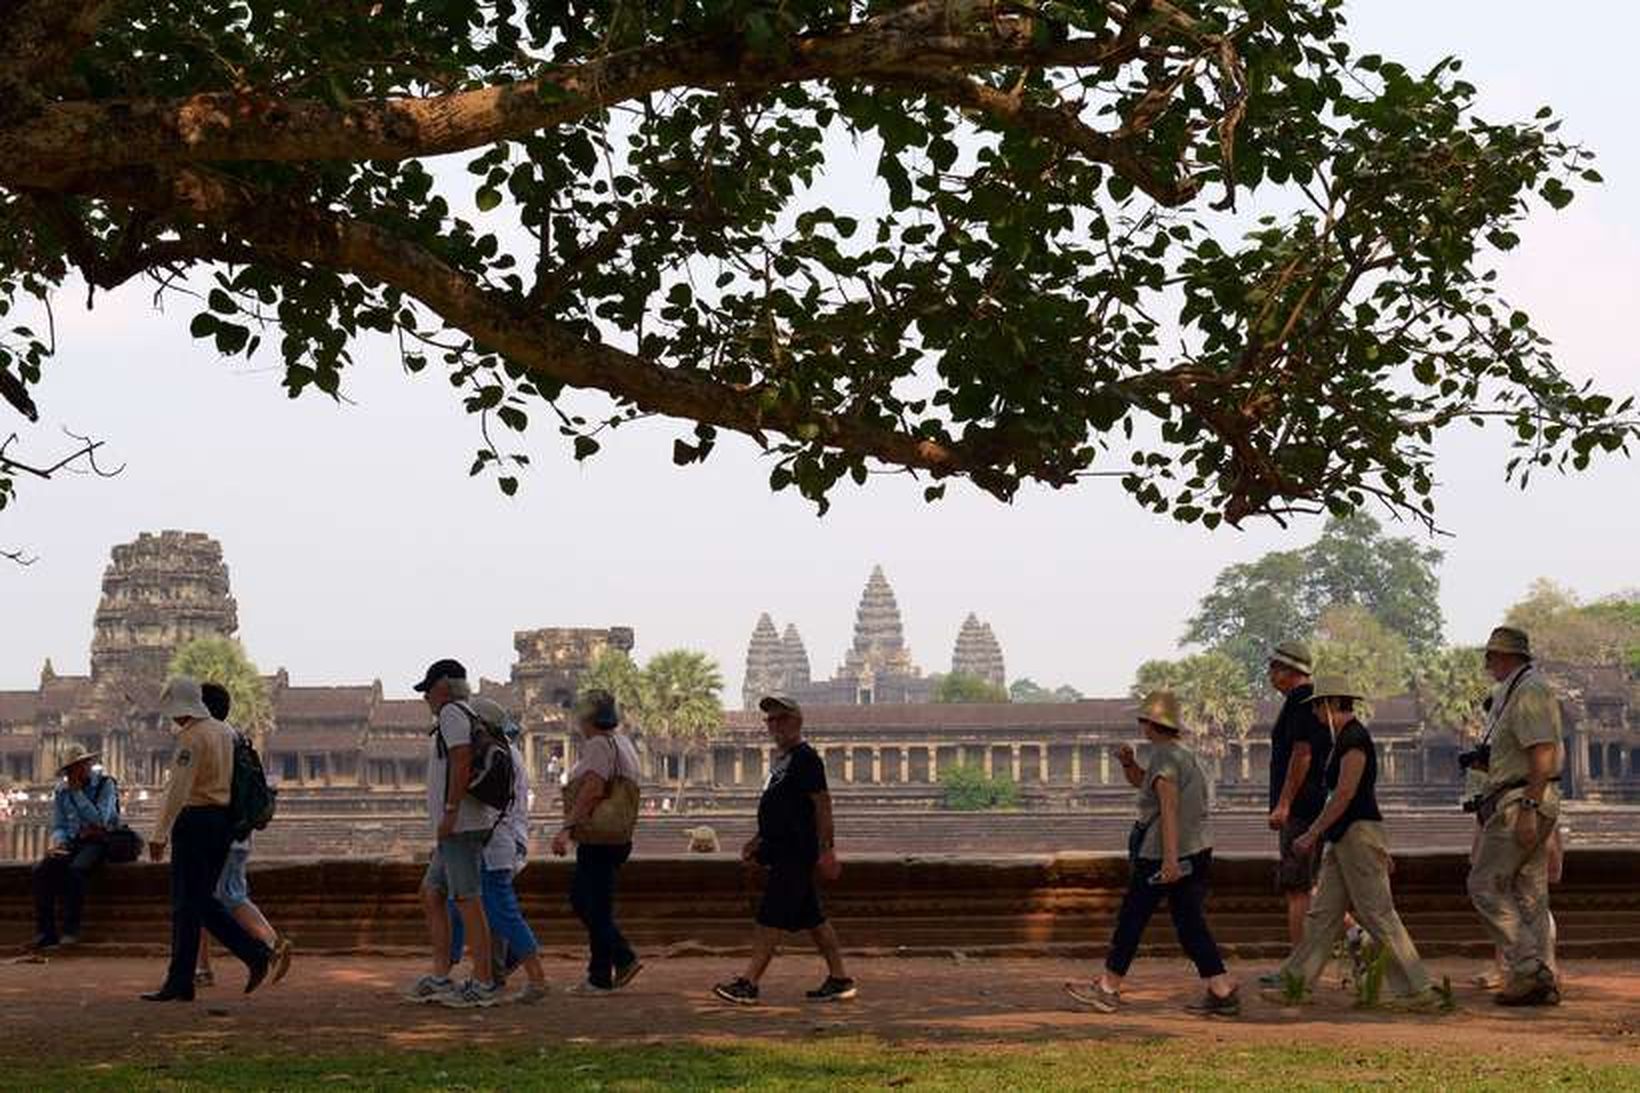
[
  {"x": 457, "y": 730},
  {"x": 1179, "y": 766}
]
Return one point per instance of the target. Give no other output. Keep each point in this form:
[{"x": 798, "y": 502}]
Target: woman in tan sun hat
[
  {"x": 1170, "y": 852},
  {"x": 1356, "y": 868}
]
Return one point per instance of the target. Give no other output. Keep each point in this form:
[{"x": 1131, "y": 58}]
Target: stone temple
[
  {"x": 351, "y": 760},
  {"x": 877, "y": 669}
]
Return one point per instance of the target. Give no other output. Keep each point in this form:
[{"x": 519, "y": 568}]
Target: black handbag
[{"x": 121, "y": 845}]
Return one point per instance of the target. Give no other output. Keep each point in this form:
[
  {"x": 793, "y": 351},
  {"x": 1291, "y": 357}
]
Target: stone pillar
[
  {"x": 1042, "y": 772},
  {"x": 1015, "y": 749},
  {"x": 740, "y": 766},
  {"x": 986, "y": 761},
  {"x": 848, "y": 764},
  {"x": 1104, "y": 766},
  {"x": 876, "y": 765},
  {"x": 1076, "y": 763}
]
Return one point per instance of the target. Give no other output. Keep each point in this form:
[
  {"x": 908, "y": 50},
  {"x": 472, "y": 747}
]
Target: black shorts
[
  {"x": 791, "y": 898},
  {"x": 1297, "y": 872}
]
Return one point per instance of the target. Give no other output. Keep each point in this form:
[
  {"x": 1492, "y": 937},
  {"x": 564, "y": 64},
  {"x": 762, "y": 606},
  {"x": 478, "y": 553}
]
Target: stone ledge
[{"x": 1005, "y": 905}]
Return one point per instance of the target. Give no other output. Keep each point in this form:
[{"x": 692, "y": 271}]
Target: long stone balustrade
[{"x": 980, "y": 905}]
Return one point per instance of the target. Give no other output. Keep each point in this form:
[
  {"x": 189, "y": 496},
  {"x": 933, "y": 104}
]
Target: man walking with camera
[
  {"x": 1518, "y": 808},
  {"x": 1299, "y": 747}
]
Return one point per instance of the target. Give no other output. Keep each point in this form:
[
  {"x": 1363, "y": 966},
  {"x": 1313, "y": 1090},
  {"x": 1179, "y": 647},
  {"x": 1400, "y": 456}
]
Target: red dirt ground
[{"x": 341, "y": 1004}]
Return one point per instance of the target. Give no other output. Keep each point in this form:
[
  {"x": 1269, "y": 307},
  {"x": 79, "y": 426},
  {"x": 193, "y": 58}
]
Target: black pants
[
  {"x": 592, "y": 896},
  {"x": 199, "y": 848},
  {"x": 61, "y": 878},
  {"x": 1186, "y": 900}
]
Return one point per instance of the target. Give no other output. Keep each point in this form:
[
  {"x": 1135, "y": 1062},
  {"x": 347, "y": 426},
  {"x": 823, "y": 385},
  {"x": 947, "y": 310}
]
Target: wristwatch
[{"x": 451, "y": 808}]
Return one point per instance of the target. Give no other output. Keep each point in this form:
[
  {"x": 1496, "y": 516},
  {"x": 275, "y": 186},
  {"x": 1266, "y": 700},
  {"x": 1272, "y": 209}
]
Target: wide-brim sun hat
[
  {"x": 1161, "y": 708},
  {"x": 1510, "y": 640},
  {"x": 76, "y": 753},
  {"x": 1294, "y": 655},
  {"x": 1335, "y": 687},
  {"x": 182, "y": 698}
]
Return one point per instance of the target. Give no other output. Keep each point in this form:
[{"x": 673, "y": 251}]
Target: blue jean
[{"x": 511, "y": 940}]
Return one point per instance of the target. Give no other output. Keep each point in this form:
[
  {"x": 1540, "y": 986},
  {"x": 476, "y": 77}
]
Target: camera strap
[{"x": 1503, "y": 706}]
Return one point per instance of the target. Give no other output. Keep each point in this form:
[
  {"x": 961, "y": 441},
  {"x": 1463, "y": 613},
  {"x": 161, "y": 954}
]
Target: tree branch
[{"x": 929, "y": 37}]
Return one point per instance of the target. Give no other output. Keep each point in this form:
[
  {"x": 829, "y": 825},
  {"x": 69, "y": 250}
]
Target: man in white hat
[
  {"x": 84, "y": 808},
  {"x": 1519, "y": 808},
  {"x": 195, "y": 815}
]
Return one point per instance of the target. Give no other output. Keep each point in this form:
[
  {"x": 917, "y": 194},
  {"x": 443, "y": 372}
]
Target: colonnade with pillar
[{"x": 889, "y": 763}]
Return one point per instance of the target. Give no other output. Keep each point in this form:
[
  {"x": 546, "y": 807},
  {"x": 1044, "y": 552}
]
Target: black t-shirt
[
  {"x": 1364, "y": 805},
  {"x": 1297, "y": 724},
  {"x": 786, "y": 827}
]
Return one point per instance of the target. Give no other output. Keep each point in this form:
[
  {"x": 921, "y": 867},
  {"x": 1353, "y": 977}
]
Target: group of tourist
[{"x": 1334, "y": 861}]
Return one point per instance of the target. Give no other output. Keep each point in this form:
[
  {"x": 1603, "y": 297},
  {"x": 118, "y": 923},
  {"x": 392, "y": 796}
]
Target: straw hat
[
  {"x": 1161, "y": 708},
  {"x": 76, "y": 753},
  {"x": 1294, "y": 655}
]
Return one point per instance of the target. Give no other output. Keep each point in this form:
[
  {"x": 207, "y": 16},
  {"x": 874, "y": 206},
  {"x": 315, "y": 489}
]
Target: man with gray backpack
[{"x": 466, "y": 763}]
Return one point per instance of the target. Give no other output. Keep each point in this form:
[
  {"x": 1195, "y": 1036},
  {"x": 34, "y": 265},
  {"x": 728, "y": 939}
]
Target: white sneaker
[
  {"x": 430, "y": 988},
  {"x": 472, "y": 995}
]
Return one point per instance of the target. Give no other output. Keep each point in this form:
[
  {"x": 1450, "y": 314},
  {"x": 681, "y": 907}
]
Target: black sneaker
[
  {"x": 832, "y": 990},
  {"x": 738, "y": 991},
  {"x": 626, "y": 974},
  {"x": 42, "y": 942},
  {"x": 1216, "y": 1005}
]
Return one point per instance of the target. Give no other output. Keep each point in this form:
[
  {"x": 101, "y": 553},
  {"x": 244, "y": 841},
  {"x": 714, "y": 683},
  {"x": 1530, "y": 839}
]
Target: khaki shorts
[
  {"x": 457, "y": 865},
  {"x": 1297, "y": 872}
]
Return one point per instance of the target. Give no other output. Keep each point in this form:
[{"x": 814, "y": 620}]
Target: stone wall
[{"x": 1019, "y": 905}]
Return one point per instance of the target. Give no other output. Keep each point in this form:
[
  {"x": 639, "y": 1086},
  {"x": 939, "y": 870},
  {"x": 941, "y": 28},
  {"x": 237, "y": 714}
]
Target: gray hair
[{"x": 459, "y": 689}]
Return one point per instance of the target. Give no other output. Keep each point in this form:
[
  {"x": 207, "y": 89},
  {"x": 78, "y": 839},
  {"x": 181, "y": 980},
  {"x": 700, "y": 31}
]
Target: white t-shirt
[
  {"x": 457, "y": 730},
  {"x": 600, "y": 755}
]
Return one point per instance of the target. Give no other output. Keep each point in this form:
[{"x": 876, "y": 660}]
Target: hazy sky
[{"x": 359, "y": 548}]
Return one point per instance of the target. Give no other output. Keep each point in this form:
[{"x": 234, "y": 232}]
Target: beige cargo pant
[
  {"x": 1355, "y": 878},
  {"x": 1509, "y": 886}
]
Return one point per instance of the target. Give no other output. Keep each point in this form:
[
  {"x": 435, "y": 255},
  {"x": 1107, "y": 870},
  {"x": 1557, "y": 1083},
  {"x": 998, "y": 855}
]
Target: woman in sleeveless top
[{"x": 605, "y": 756}]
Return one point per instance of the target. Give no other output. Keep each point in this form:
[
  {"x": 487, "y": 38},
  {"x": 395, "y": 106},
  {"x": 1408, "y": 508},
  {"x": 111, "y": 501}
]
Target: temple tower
[
  {"x": 159, "y": 592},
  {"x": 879, "y": 637},
  {"x": 978, "y": 653},
  {"x": 551, "y": 661},
  {"x": 765, "y": 658},
  {"x": 794, "y": 659}
]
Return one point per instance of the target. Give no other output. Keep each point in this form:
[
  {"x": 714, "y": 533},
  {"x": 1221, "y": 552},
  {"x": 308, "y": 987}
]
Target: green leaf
[
  {"x": 487, "y": 198},
  {"x": 585, "y": 447},
  {"x": 203, "y": 326}
]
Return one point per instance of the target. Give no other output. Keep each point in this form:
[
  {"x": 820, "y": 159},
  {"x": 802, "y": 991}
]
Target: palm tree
[
  {"x": 223, "y": 661},
  {"x": 679, "y": 705}
]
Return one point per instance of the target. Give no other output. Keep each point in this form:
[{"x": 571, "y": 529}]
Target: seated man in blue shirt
[{"x": 85, "y": 808}]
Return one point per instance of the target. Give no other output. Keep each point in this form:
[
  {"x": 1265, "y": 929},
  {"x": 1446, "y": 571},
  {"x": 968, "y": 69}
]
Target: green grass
[{"x": 845, "y": 1065}]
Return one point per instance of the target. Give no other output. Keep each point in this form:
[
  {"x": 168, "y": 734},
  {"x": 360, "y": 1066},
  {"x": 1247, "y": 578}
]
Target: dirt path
[{"x": 334, "y": 1005}]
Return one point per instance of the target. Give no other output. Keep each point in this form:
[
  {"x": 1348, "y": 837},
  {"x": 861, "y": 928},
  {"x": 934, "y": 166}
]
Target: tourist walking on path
[
  {"x": 600, "y": 816},
  {"x": 233, "y": 888},
  {"x": 1355, "y": 872},
  {"x": 512, "y": 942},
  {"x": 1170, "y": 851},
  {"x": 1518, "y": 808},
  {"x": 461, "y": 826},
  {"x": 1299, "y": 745},
  {"x": 195, "y": 814},
  {"x": 84, "y": 808},
  {"x": 795, "y": 843}
]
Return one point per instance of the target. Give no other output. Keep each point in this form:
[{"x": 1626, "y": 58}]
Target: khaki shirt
[
  {"x": 1531, "y": 717},
  {"x": 201, "y": 773}
]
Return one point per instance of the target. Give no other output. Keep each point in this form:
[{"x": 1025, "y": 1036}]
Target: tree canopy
[
  {"x": 1215, "y": 699},
  {"x": 1200, "y": 246},
  {"x": 223, "y": 661},
  {"x": 965, "y": 687},
  {"x": 1564, "y": 629},
  {"x": 673, "y": 700},
  {"x": 1284, "y": 594}
]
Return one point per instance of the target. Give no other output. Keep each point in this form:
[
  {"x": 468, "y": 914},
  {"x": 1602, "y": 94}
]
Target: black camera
[
  {"x": 1477, "y": 758},
  {"x": 1472, "y": 804}
]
